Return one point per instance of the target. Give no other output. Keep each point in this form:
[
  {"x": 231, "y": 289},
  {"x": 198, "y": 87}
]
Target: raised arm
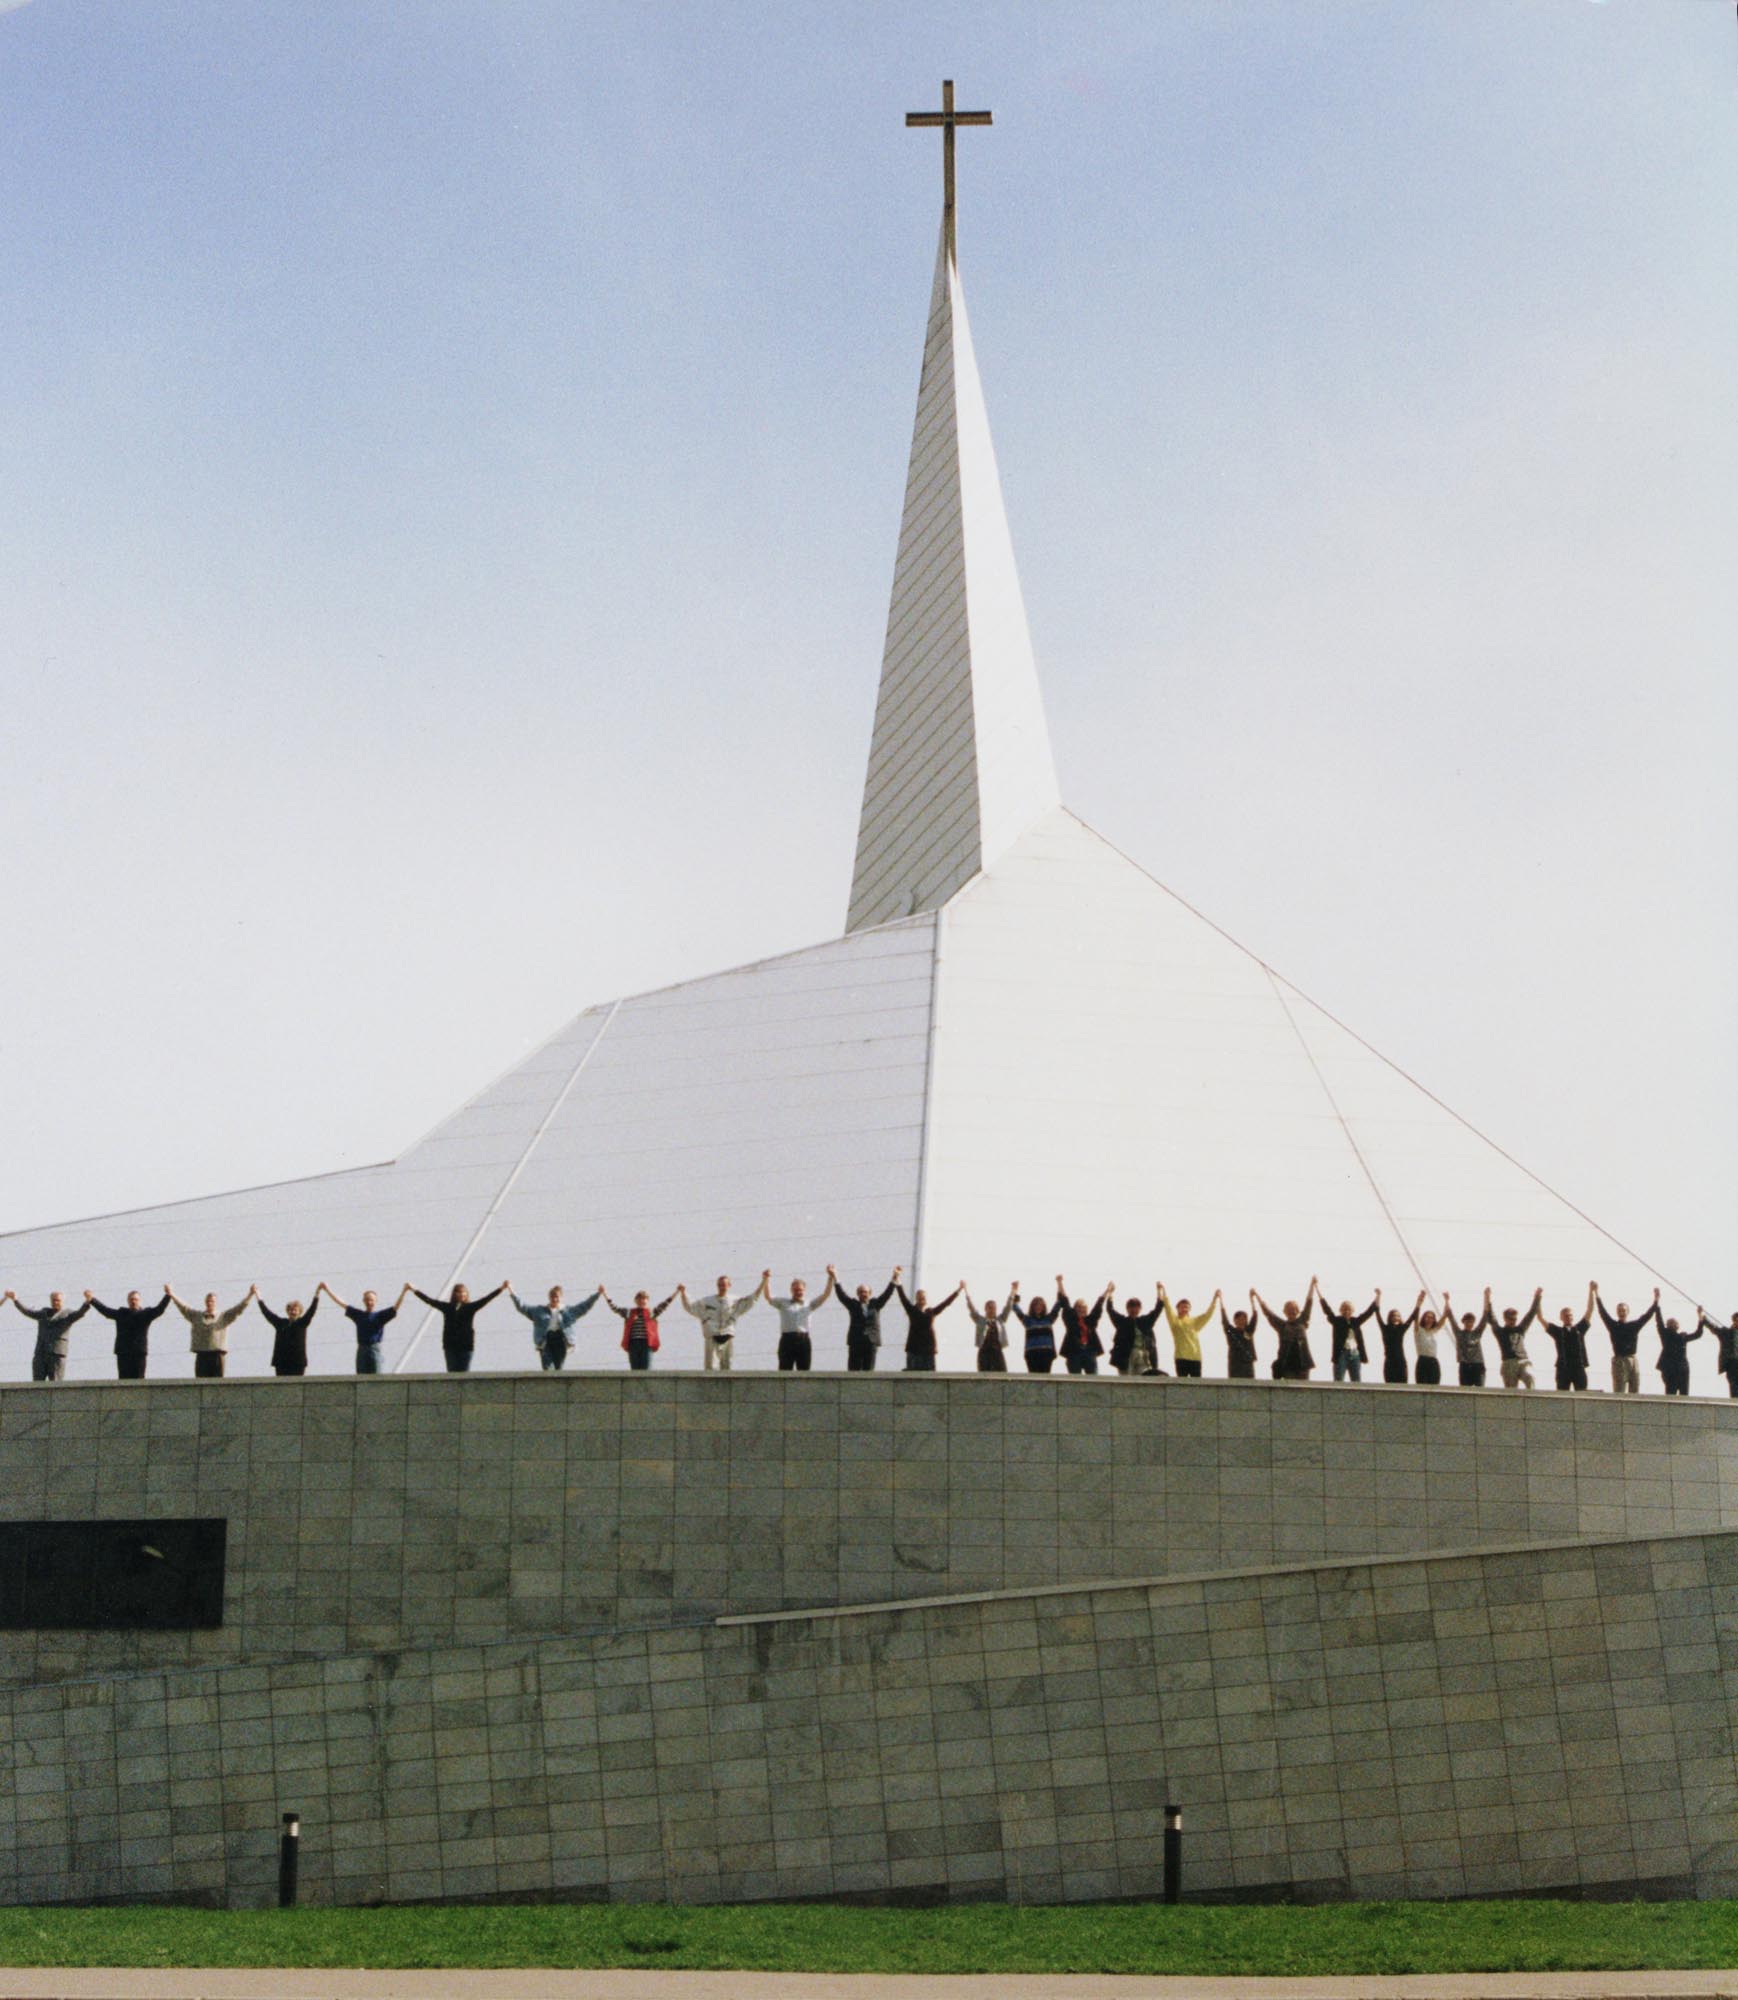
[
  {"x": 235, "y": 1312},
  {"x": 108, "y": 1312},
  {"x": 663, "y": 1306},
  {"x": 489, "y": 1298},
  {"x": 322, "y": 1286},
  {"x": 1374, "y": 1306},
  {"x": 937, "y": 1310},
  {"x": 417, "y": 1292},
  {"x": 1532, "y": 1312}
]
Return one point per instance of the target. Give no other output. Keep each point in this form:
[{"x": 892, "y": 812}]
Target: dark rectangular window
[{"x": 154, "y": 1576}]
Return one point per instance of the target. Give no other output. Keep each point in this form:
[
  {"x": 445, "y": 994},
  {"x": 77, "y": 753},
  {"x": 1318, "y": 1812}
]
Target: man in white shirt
[{"x": 795, "y": 1348}]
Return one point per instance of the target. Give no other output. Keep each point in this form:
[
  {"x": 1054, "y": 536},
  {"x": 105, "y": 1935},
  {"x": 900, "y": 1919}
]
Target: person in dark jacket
[
  {"x": 863, "y": 1322},
  {"x": 1626, "y": 1336},
  {"x": 640, "y": 1339},
  {"x": 290, "y": 1335},
  {"x": 1469, "y": 1332},
  {"x": 1080, "y": 1346},
  {"x": 132, "y": 1331},
  {"x": 1394, "y": 1327},
  {"x": 1726, "y": 1358},
  {"x": 920, "y": 1319},
  {"x": 1239, "y": 1332},
  {"x": 1134, "y": 1346},
  {"x": 1674, "y": 1361},
  {"x": 54, "y": 1322},
  {"x": 1039, "y": 1320},
  {"x": 1349, "y": 1352},
  {"x": 1294, "y": 1362},
  {"x": 370, "y": 1319},
  {"x": 1569, "y": 1337},
  {"x": 459, "y": 1323}
]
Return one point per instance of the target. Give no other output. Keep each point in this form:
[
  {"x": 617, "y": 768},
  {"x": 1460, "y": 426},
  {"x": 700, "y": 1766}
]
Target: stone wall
[
  {"x": 1542, "y": 1718},
  {"x": 392, "y": 1514}
]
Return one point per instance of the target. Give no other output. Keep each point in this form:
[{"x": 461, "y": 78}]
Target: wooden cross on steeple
[{"x": 947, "y": 118}]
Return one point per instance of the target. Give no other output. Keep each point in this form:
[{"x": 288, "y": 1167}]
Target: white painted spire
[{"x": 960, "y": 763}]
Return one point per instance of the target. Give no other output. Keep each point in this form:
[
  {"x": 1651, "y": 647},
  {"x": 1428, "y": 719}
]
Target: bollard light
[
  {"x": 289, "y": 1849},
  {"x": 1173, "y": 1854}
]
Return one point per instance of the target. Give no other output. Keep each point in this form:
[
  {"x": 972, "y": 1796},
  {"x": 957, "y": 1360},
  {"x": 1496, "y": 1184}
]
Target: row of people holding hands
[{"x": 1045, "y": 1329}]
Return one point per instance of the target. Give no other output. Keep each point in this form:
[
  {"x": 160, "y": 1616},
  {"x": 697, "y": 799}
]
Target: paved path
[{"x": 156, "y": 1984}]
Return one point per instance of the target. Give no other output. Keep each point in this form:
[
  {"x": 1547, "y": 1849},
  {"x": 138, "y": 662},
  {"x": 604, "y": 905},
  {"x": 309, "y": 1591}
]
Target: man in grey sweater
[
  {"x": 54, "y": 1322},
  {"x": 209, "y": 1329}
]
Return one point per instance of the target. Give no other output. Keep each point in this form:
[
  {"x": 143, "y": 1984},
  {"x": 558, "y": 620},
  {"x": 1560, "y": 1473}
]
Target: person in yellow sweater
[{"x": 1186, "y": 1330}]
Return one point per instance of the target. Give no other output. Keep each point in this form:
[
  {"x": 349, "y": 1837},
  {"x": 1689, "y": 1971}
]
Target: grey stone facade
[
  {"x": 389, "y": 1514},
  {"x": 534, "y": 1636},
  {"x": 1535, "y": 1719}
]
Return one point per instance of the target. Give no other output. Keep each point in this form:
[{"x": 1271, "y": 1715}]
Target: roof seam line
[
  {"x": 1309, "y": 1055},
  {"x": 506, "y": 1187}
]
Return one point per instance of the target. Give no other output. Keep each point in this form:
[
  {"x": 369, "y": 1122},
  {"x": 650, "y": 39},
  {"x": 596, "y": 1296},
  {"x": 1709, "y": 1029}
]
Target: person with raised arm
[
  {"x": 458, "y": 1313},
  {"x": 54, "y": 1322},
  {"x": 1426, "y": 1364},
  {"x": 1569, "y": 1337},
  {"x": 1674, "y": 1359},
  {"x": 1294, "y": 1362},
  {"x": 920, "y": 1319},
  {"x": 992, "y": 1336},
  {"x": 796, "y": 1347},
  {"x": 1348, "y": 1352},
  {"x": 1186, "y": 1331},
  {"x": 552, "y": 1324},
  {"x": 290, "y": 1335},
  {"x": 1726, "y": 1355},
  {"x": 1626, "y": 1336},
  {"x": 1039, "y": 1321},
  {"x": 208, "y": 1329},
  {"x": 640, "y": 1338},
  {"x": 1511, "y": 1334},
  {"x": 1134, "y": 1347},
  {"x": 1394, "y": 1328},
  {"x": 370, "y": 1319},
  {"x": 1080, "y": 1346},
  {"x": 132, "y": 1324},
  {"x": 1239, "y": 1331},
  {"x": 863, "y": 1321},
  {"x": 1469, "y": 1332},
  {"x": 717, "y": 1313}
]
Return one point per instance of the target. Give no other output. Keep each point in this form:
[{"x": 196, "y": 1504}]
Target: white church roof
[{"x": 1024, "y": 1057}]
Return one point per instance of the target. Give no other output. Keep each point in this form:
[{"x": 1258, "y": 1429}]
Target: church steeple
[{"x": 960, "y": 762}]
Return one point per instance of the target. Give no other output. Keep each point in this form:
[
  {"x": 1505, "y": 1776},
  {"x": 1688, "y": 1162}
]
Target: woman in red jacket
[{"x": 639, "y": 1327}]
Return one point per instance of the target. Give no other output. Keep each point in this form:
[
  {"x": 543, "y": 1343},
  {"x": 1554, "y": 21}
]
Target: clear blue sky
[{"x": 452, "y": 456}]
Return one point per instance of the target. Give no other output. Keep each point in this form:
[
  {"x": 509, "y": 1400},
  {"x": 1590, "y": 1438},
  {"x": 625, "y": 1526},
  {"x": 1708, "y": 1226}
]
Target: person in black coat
[
  {"x": 1569, "y": 1337},
  {"x": 459, "y": 1322},
  {"x": 1726, "y": 1358},
  {"x": 1081, "y": 1345},
  {"x": 290, "y": 1336},
  {"x": 132, "y": 1324},
  {"x": 1674, "y": 1361},
  {"x": 920, "y": 1319},
  {"x": 1394, "y": 1328}
]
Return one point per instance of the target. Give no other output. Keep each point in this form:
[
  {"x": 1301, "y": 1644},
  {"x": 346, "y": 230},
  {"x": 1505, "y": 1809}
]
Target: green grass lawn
[{"x": 1120, "y": 1937}]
